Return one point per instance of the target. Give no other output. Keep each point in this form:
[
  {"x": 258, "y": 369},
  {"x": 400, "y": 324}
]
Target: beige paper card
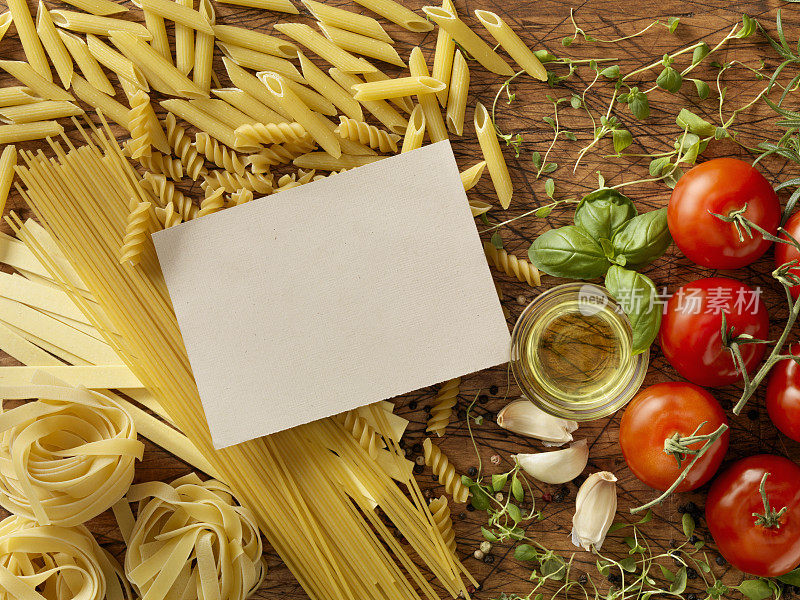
[{"x": 332, "y": 295}]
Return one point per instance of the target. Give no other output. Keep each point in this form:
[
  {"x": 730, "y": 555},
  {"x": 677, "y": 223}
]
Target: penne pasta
[
  {"x": 98, "y": 7},
  {"x": 328, "y": 88},
  {"x": 11, "y": 134},
  {"x": 511, "y": 43},
  {"x": 85, "y": 23},
  {"x": 398, "y": 88},
  {"x": 457, "y": 96},
  {"x": 276, "y": 5},
  {"x": 430, "y": 105},
  {"x": 17, "y": 94},
  {"x": 222, "y": 111},
  {"x": 115, "y": 62},
  {"x": 469, "y": 40},
  {"x": 253, "y": 86},
  {"x": 415, "y": 132},
  {"x": 184, "y": 42},
  {"x": 379, "y": 109},
  {"x": 471, "y": 176},
  {"x": 299, "y": 112},
  {"x": 5, "y": 22},
  {"x": 177, "y": 12},
  {"x": 309, "y": 97},
  {"x": 345, "y": 19},
  {"x": 204, "y": 48},
  {"x": 31, "y": 44},
  {"x": 86, "y": 62},
  {"x": 8, "y": 160},
  {"x": 443, "y": 56},
  {"x": 110, "y": 107},
  {"x": 259, "y": 61},
  {"x": 478, "y": 207},
  {"x": 322, "y": 161},
  {"x": 361, "y": 44},
  {"x": 202, "y": 120},
  {"x": 244, "y": 102},
  {"x": 324, "y": 48},
  {"x": 48, "y": 110},
  {"x": 157, "y": 27},
  {"x": 397, "y": 13},
  {"x": 52, "y": 42},
  {"x": 405, "y": 104},
  {"x": 40, "y": 86},
  {"x": 490, "y": 147},
  {"x": 254, "y": 40}
]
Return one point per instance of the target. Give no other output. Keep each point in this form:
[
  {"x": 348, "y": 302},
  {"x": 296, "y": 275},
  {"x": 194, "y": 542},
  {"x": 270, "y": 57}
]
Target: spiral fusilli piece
[
  {"x": 444, "y": 523},
  {"x": 289, "y": 181},
  {"x": 231, "y": 182},
  {"x": 214, "y": 202},
  {"x": 511, "y": 265},
  {"x": 367, "y": 134},
  {"x": 445, "y": 471},
  {"x": 168, "y": 216},
  {"x": 141, "y": 135},
  {"x": 241, "y": 196},
  {"x": 443, "y": 407},
  {"x": 165, "y": 193},
  {"x": 268, "y": 157},
  {"x": 136, "y": 233},
  {"x": 366, "y": 436},
  {"x": 219, "y": 154},
  {"x": 255, "y": 134},
  {"x": 160, "y": 164},
  {"x": 176, "y": 136},
  {"x": 56, "y": 563},
  {"x": 199, "y": 527}
]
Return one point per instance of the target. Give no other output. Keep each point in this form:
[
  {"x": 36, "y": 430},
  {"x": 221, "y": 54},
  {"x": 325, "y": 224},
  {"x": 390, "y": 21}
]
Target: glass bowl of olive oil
[{"x": 571, "y": 353}]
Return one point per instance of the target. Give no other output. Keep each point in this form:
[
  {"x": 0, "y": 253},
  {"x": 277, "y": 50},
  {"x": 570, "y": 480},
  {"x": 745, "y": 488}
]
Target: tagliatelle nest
[
  {"x": 56, "y": 563},
  {"x": 192, "y": 541},
  {"x": 66, "y": 457}
]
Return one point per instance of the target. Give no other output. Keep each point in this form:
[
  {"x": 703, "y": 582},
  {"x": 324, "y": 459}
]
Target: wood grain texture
[{"x": 543, "y": 24}]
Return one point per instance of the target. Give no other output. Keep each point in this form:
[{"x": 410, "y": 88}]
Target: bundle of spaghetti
[
  {"x": 68, "y": 456},
  {"x": 141, "y": 112},
  {"x": 255, "y": 134},
  {"x": 184, "y": 150},
  {"x": 159, "y": 163},
  {"x": 327, "y": 533},
  {"x": 165, "y": 193},
  {"x": 367, "y": 134},
  {"x": 230, "y": 182},
  {"x": 442, "y": 409},
  {"x": 519, "y": 268},
  {"x": 190, "y": 540},
  {"x": 220, "y": 155},
  {"x": 56, "y": 563}
]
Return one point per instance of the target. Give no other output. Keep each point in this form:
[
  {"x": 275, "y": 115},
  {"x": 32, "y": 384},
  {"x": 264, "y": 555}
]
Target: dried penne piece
[
  {"x": 469, "y": 40},
  {"x": 415, "y": 132},
  {"x": 397, "y": 13},
  {"x": 25, "y": 73},
  {"x": 8, "y": 160},
  {"x": 51, "y": 40},
  {"x": 299, "y": 112},
  {"x": 259, "y": 61},
  {"x": 86, "y": 62},
  {"x": 5, "y": 22},
  {"x": 443, "y": 55},
  {"x": 324, "y": 48},
  {"x": 222, "y": 111},
  {"x": 116, "y": 62},
  {"x": 85, "y": 23},
  {"x": 11, "y": 134},
  {"x": 478, "y": 207},
  {"x": 31, "y": 44},
  {"x": 204, "y": 48},
  {"x": 490, "y": 147},
  {"x": 511, "y": 43},
  {"x": 313, "y": 100},
  {"x": 115, "y": 111},
  {"x": 405, "y": 104},
  {"x": 202, "y": 120},
  {"x": 380, "y": 109},
  {"x": 98, "y": 7},
  {"x": 244, "y": 102},
  {"x": 361, "y": 44},
  {"x": 322, "y": 161},
  {"x": 430, "y": 105},
  {"x": 17, "y": 94},
  {"x": 184, "y": 42},
  {"x": 40, "y": 111},
  {"x": 345, "y": 19},
  {"x": 158, "y": 29},
  {"x": 397, "y": 88},
  {"x": 253, "y": 86},
  {"x": 471, "y": 176},
  {"x": 276, "y": 5},
  {"x": 457, "y": 97},
  {"x": 179, "y": 13},
  {"x": 254, "y": 40},
  {"x": 328, "y": 88}
]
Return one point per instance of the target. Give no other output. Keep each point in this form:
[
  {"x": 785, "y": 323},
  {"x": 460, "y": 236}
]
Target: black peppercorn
[
  {"x": 416, "y": 448},
  {"x": 691, "y": 597},
  {"x": 435, "y": 477},
  {"x": 558, "y": 497},
  {"x": 694, "y": 539},
  {"x": 413, "y": 405},
  {"x": 470, "y": 508},
  {"x": 493, "y": 390},
  {"x": 488, "y": 559},
  {"x": 462, "y": 516},
  {"x": 483, "y": 398},
  {"x": 417, "y": 469},
  {"x": 472, "y": 471},
  {"x": 427, "y": 408},
  {"x": 720, "y": 560},
  {"x": 752, "y": 414},
  {"x": 583, "y": 579},
  {"x": 613, "y": 578},
  {"x": 691, "y": 573}
]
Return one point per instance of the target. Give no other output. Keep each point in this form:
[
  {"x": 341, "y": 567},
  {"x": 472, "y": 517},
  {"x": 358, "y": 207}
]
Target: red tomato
[
  {"x": 721, "y": 186},
  {"x": 691, "y": 336},
  {"x": 785, "y": 253},
  {"x": 783, "y": 395},
  {"x": 658, "y": 413},
  {"x": 734, "y": 498}
]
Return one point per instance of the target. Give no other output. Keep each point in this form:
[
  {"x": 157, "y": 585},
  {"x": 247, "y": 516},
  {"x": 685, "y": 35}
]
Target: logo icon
[{"x": 591, "y": 300}]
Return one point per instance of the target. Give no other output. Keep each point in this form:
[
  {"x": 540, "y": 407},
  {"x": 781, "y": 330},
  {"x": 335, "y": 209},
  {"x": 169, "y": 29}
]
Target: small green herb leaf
[
  {"x": 658, "y": 166},
  {"x": 488, "y": 534},
  {"x": 497, "y": 240},
  {"x": 755, "y": 589},
  {"x": 480, "y": 499},
  {"x": 544, "y": 211},
  {"x": 791, "y": 578},
  {"x": 688, "y": 525},
  {"x": 628, "y": 564},
  {"x": 525, "y": 552},
  {"x": 611, "y": 72},
  {"x": 603, "y": 212},
  {"x": 749, "y": 25},
  {"x": 549, "y": 168},
  {"x": 575, "y": 101},
  {"x": 568, "y": 252},
  {"x": 643, "y": 238},
  {"x": 672, "y": 24},
  {"x": 637, "y": 296},
  {"x": 537, "y": 159},
  {"x": 499, "y": 481},
  {"x": 703, "y": 91},
  {"x": 514, "y": 512},
  {"x": 544, "y": 56},
  {"x": 700, "y": 53},
  {"x": 695, "y": 124},
  {"x": 569, "y": 135},
  {"x": 670, "y": 80},
  {"x": 549, "y": 187},
  {"x": 622, "y": 139},
  {"x": 679, "y": 585},
  {"x": 516, "y": 489},
  {"x": 637, "y": 102}
]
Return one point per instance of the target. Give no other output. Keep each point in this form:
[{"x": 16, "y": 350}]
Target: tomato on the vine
[
  {"x": 723, "y": 186},
  {"x": 691, "y": 330},
  {"x": 785, "y": 253},
  {"x": 674, "y": 411},
  {"x": 757, "y": 533},
  {"x": 783, "y": 395}
]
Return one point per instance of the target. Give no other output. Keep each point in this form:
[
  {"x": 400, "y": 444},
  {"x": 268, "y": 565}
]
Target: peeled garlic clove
[
  {"x": 525, "y": 418},
  {"x": 595, "y": 509},
  {"x": 558, "y": 466}
]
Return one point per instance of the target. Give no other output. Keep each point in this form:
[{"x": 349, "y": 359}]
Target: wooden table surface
[{"x": 543, "y": 24}]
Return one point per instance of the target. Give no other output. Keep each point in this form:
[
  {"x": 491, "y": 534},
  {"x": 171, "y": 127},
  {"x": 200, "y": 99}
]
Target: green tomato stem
[
  {"x": 679, "y": 445},
  {"x": 771, "y": 519}
]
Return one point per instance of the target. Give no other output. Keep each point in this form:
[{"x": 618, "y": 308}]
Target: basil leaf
[
  {"x": 604, "y": 211},
  {"x": 568, "y": 252},
  {"x": 686, "y": 119},
  {"x": 499, "y": 481},
  {"x": 637, "y": 296},
  {"x": 791, "y": 578},
  {"x": 611, "y": 72},
  {"x": 643, "y": 238}
]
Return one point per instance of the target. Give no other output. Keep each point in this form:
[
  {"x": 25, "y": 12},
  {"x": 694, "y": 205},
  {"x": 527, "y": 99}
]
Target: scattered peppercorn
[
  {"x": 613, "y": 578},
  {"x": 691, "y": 597},
  {"x": 417, "y": 469},
  {"x": 427, "y": 408},
  {"x": 694, "y": 539},
  {"x": 435, "y": 477},
  {"x": 420, "y": 460},
  {"x": 720, "y": 560},
  {"x": 417, "y": 448},
  {"x": 462, "y": 516},
  {"x": 472, "y": 471},
  {"x": 413, "y": 405},
  {"x": 691, "y": 573},
  {"x": 583, "y": 579},
  {"x": 470, "y": 508},
  {"x": 483, "y": 398},
  {"x": 673, "y": 543},
  {"x": 752, "y": 414},
  {"x": 558, "y": 497},
  {"x": 488, "y": 559},
  {"x": 493, "y": 390}
]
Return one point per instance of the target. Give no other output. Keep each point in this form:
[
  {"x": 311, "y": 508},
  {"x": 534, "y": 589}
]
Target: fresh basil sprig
[{"x": 609, "y": 238}]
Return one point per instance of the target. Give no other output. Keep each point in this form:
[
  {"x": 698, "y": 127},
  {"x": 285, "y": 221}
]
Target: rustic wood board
[{"x": 544, "y": 24}]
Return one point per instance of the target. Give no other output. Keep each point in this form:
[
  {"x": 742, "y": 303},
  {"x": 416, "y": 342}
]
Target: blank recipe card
[{"x": 332, "y": 295}]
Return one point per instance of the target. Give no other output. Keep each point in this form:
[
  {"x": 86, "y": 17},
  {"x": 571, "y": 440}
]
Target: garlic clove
[
  {"x": 558, "y": 466},
  {"x": 595, "y": 509},
  {"x": 525, "y": 418}
]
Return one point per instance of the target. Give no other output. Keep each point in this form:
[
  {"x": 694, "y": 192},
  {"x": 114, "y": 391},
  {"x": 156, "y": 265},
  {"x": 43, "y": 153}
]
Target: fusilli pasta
[
  {"x": 231, "y": 182},
  {"x": 141, "y": 139},
  {"x": 511, "y": 265},
  {"x": 441, "y": 517},
  {"x": 160, "y": 164},
  {"x": 364, "y": 133},
  {"x": 184, "y": 150},
  {"x": 168, "y": 217},
  {"x": 136, "y": 234},
  {"x": 442, "y": 409},
  {"x": 165, "y": 193},
  {"x": 254, "y": 134},
  {"x": 292, "y": 180},
  {"x": 212, "y": 203},
  {"x": 366, "y": 436},
  {"x": 220, "y": 155},
  {"x": 241, "y": 196},
  {"x": 445, "y": 471}
]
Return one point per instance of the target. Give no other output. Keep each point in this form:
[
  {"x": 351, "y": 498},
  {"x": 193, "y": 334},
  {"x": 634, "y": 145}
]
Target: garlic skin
[
  {"x": 595, "y": 509},
  {"x": 525, "y": 418},
  {"x": 558, "y": 466}
]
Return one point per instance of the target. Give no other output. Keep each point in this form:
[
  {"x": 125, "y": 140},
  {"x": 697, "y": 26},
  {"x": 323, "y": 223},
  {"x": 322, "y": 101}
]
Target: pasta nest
[
  {"x": 56, "y": 563},
  {"x": 191, "y": 540},
  {"x": 67, "y": 457}
]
